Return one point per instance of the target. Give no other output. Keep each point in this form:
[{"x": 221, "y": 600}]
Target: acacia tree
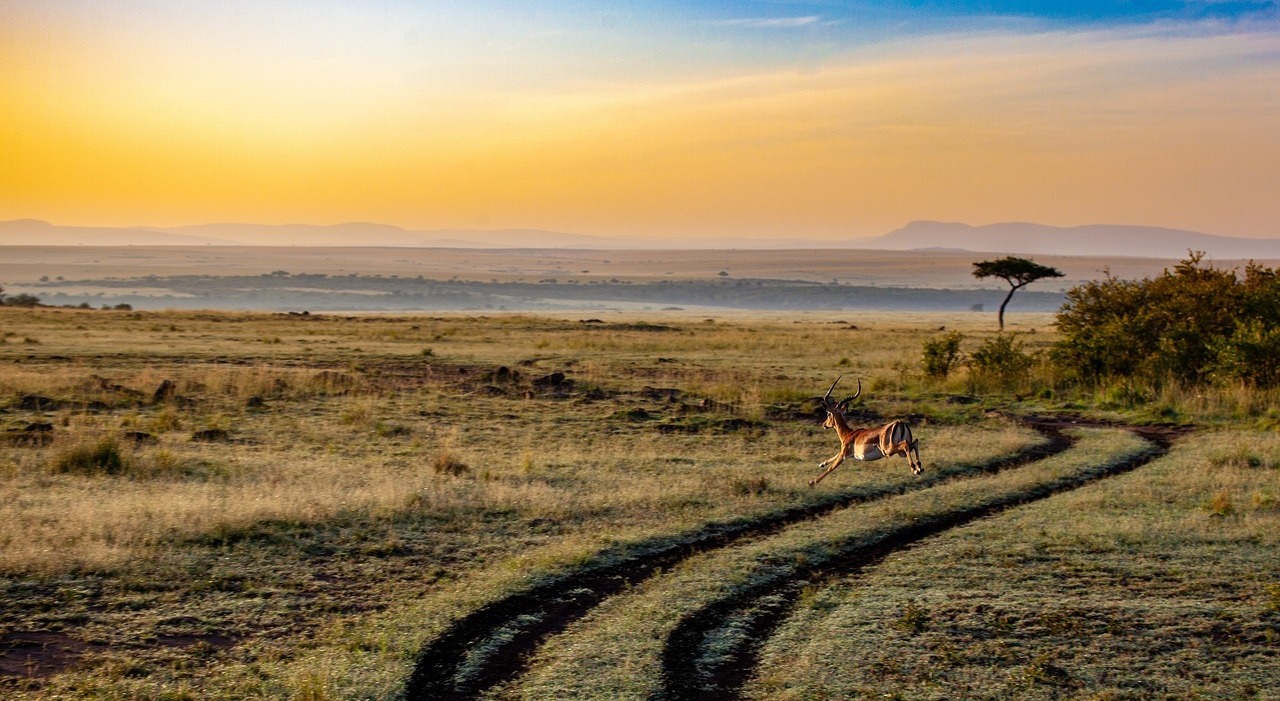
[{"x": 1018, "y": 272}]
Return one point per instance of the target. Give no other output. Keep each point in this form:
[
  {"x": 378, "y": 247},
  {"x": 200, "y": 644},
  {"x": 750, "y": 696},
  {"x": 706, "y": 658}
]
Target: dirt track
[{"x": 512, "y": 628}]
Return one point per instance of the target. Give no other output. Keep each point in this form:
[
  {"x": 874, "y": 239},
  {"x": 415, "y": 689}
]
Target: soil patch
[
  {"x": 40, "y": 654},
  {"x": 33, "y": 655}
]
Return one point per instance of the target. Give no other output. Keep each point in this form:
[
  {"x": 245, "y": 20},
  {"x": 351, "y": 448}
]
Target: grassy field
[
  {"x": 220, "y": 505},
  {"x": 1157, "y": 584}
]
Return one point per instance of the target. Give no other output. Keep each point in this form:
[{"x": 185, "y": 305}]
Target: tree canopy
[{"x": 1018, "y": 272}]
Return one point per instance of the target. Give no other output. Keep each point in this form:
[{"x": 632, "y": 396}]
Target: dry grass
[
  {"x": 1157, "y": 584},
  {"x": 335, "y": 435},
  {"x": 328, "y": 492},
  {"x": 614, "y": 653}
]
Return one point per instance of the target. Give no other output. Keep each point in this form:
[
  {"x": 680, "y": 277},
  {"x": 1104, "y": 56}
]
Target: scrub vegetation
[
  {"x": 204, "y": 505},
  {"x": 1192, "y": 325}
]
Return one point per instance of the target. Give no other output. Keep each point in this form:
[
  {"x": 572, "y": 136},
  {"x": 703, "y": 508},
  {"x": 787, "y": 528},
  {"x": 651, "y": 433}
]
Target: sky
[{"x": 813, "y": 119}]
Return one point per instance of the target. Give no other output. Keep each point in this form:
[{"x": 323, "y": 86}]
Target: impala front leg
[{"x": 835, "y": 462}]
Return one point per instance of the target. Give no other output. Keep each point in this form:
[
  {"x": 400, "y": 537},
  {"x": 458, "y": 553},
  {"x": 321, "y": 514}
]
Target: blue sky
[
  {"x": 1132, "y": 11},
  {"x": 817, "y": 119}
]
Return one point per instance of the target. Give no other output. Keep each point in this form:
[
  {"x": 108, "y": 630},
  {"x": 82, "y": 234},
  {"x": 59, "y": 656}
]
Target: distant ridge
[
  {"x": 34, "y": 232},
  {"x": 1007, "y": 238},
  {"x": 370, "y": 234},
  {"x": 1092, "y": 240},
  {"x": 349, "y": 234}
]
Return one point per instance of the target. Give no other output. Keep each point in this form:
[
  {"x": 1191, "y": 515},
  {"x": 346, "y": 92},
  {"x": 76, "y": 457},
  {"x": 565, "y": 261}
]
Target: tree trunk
[{"x": 1005, "y": 303}]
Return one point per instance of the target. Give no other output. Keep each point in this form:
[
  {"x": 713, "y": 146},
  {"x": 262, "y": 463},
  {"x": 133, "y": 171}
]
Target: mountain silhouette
[{"x": 1092, "y": 240}]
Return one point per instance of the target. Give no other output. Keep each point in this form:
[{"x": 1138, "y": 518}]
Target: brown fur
[{"x": 893, "y": 438}]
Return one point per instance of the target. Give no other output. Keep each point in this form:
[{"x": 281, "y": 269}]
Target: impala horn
[
  {"x": 845, "y": 402},
  {"x": 826, "y": 398}
]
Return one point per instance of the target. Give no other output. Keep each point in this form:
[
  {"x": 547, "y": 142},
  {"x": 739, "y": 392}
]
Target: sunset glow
[{"x": 818, "y": 120}]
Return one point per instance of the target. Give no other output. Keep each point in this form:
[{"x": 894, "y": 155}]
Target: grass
[
  {"x": 614, "y": 652},
  {"x": 1131, "y": 588},
  {"x": 353, "y": 495},
  {"x": 92, "y": 457}
]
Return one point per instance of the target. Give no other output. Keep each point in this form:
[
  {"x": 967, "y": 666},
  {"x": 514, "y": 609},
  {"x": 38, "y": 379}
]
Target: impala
[{"x": 893, "y": 438}]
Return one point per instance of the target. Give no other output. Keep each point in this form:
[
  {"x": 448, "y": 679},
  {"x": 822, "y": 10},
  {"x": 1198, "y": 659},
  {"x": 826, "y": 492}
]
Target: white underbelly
[{"x": 867, "y": 452}]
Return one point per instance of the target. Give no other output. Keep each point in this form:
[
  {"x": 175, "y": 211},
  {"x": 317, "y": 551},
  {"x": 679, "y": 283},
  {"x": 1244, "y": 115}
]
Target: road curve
[
  {"x": 760, "y": 609},
  {"x": 510, "y": 629}
]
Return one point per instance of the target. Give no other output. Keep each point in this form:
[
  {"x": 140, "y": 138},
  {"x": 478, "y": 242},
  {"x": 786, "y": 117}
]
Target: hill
[
  {"x": 371, "y": 234},
  {"x": 1102, "y": 240},
  {"x": 1093, "y": 240},
  {"x": 34, "y": 232}
]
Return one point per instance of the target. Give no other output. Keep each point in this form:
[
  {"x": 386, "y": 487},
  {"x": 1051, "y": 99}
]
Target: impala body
[{"x": 893, "y": 438}]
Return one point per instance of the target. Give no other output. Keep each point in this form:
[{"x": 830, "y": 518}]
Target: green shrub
[
  {"x": 915, "y": 618},
  {"x": 942, "y": 355},
  {"x": 1250, "y": 355},
  {"x": 21, "y": 300},
  {"x": 1187, "y": 326},
  {"x": 1000, "y": 361}
]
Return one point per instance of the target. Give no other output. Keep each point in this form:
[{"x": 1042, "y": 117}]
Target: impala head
[{"x": 834, "y": 408}]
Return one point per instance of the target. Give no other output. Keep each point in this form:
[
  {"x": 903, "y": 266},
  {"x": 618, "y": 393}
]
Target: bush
[
  {"x": 915, "y": 619},
  {"x": 1000, "y": 361},
  {"x": 21, "y": 300},
  {"x": 1250, "y": 355},
  {"x": 942, "y": 355},
  {"x": 1187, "y": 326}
]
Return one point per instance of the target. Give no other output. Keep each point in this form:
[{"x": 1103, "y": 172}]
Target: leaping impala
[{"x": 893, "y": 438}]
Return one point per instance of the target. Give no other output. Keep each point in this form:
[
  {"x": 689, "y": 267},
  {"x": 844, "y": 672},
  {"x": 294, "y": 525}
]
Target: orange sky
[{"x": 663, "y": 124}]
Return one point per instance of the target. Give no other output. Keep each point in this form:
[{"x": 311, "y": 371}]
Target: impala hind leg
[{"x": 909, "y": 451}]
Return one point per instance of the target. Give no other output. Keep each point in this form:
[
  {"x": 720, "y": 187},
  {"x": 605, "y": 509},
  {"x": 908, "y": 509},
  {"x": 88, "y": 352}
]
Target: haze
[{"x": 813, "y": 120}]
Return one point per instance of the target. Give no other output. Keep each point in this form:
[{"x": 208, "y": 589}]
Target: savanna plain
[{"x": 217, "y": 505}]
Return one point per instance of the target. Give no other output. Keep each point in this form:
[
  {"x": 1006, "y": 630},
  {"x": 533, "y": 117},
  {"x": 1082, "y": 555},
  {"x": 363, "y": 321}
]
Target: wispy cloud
[
  {"x": 770, "y": 22},
  {"x": 822, "y": 117}
]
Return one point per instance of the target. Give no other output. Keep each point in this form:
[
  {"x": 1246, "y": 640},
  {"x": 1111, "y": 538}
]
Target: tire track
[
  {"x": 491, "y": 645},
  {"x": 757, "y": 611}
]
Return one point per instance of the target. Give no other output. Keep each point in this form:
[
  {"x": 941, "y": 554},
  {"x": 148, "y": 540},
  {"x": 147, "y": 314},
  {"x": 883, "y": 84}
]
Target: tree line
[{"x": 18, "y": 300}]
